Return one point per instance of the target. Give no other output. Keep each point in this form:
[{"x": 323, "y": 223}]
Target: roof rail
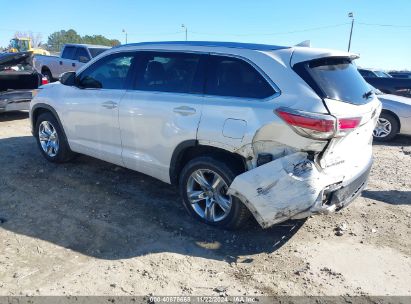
[{"x": 238, "y": 45}]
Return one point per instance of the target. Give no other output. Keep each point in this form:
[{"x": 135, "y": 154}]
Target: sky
[{"x": 381, "y": 35}]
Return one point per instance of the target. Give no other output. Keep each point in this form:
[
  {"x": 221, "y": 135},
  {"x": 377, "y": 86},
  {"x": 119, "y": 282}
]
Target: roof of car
[
  {"x": 371, "y": 70},
  {"x": 237, "y": 45}
]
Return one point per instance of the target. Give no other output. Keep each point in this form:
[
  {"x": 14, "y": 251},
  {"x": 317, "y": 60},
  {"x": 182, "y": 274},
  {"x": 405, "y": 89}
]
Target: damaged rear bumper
[
  {"x": 15, "y": 100},
  {"x": 293, "y": 187}
]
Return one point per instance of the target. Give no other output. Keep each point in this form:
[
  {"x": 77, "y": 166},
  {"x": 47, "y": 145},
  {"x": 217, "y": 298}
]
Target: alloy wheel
[
  {"x": 206, "y": 191},
  {"x": 383, "y": 128},
  {"x": 48, "y": 138}
]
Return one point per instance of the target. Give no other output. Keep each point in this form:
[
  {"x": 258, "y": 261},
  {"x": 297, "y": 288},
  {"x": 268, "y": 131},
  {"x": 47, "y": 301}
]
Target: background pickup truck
[{"x": 72, "y": 57}]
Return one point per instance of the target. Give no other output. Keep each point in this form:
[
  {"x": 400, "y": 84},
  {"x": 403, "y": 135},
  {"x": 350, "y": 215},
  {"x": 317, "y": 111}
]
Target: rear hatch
[{"x": 353, "y": 105}]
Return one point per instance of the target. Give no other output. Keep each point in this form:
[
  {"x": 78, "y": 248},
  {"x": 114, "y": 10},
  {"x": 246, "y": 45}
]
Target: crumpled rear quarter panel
[{"x": 280, "y": 189}]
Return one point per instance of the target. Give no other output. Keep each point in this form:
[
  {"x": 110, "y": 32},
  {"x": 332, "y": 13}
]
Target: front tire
[
  {"x": 203, "y": 184},
  {"x": 387, "y": 127},
  {"x": 51, "y": 139}
]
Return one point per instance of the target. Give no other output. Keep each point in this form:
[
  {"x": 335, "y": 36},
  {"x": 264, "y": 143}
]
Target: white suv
[{"x": 276, "y": 132}]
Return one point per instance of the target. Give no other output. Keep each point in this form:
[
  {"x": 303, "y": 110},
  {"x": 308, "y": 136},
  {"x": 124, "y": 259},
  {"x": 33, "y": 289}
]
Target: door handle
[
  {"x": 184, "y": 110},
  {"x": 109, "y": 105},
  {"x": 73, "y": 64},
  {"x": 61, "y": 62}
]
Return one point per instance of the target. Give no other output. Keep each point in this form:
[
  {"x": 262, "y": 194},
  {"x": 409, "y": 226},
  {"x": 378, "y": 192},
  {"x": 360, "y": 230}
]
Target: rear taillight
[
  {"x": 317, "y": 126},
  {"x": 44, "y": 80},
  {"x": 346, "y": 125}
]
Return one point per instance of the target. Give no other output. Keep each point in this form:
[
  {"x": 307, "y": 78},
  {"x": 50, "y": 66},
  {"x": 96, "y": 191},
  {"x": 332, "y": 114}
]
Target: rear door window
[
  {"x": 228, "y": 76},
  {"x": 335, "y": 78},
  {"x": 81, "y": 52},
  {"x": 68, "y": 52},
  {"x": 172, "y": 72}
]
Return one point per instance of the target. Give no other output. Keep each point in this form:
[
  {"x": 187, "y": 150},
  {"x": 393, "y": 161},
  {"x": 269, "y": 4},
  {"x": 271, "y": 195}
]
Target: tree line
[{"x": 57, "y": 40}]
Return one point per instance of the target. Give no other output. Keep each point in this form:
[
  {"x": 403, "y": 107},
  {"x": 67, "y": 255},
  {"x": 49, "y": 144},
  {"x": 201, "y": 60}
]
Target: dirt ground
[{"x": 92, "y": 228}]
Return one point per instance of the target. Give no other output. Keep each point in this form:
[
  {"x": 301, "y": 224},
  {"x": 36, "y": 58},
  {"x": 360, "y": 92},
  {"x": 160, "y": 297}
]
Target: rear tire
[
  {"x": 207, "y": 203},
  {"x": 47, "y": 74},
  {"x": 51, "y": 139},
  {"x": 387, "y": 127}
]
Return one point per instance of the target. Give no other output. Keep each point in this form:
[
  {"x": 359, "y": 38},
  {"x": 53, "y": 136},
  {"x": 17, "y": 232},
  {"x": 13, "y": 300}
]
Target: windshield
[
  {"x": 96, "y": 51},
  {"x": 19, "y": 44},
  {"x": 382, "y": 74},
  {"x": 14, "y": 43},
  {"x": 338, "y": 78}
]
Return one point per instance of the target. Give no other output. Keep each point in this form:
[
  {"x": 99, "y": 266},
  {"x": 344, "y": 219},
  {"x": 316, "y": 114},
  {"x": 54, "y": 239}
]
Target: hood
[{"x": 12, "y": 59}]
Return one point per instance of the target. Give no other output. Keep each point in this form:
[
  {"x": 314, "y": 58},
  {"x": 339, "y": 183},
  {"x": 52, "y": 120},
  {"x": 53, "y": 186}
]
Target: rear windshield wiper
[{"x": 368, "y": 94}]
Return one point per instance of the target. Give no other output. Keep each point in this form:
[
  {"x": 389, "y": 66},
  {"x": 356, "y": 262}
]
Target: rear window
[
  {"x": 68, "y": 52},
  {"x": 81, "y": 52},
  {"x": 96, "y": 51},
  {"x": 335, "y": 78}
]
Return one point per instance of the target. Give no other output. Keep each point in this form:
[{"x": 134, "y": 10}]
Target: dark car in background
[
  {"x": 387, "y": 84},
  {"x": 373, "y": 73},
  {"x": 406, "y": 75},
  {"x": 18, "y": 79}
]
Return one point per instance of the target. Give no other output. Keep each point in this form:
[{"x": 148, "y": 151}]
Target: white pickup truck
[{"x": 72, "y": 57}]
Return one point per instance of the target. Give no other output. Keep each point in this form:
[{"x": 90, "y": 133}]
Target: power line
[
  {"x": 208, "y": 33},
  {"x": 385, "y": 25},
  {"x": 275, "y": 33},
  {"x": 148, "y": 34},
  {"x": 236, "y": 34},
  {"x": 15, "y": 30}
]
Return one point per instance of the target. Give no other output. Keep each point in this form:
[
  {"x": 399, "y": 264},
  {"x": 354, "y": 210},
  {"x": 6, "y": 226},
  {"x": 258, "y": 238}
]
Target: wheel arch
[
  {"x": 45, "y": 68},
  {"x": 39, "y": 109},
  {"x": 190, "y": 149}
]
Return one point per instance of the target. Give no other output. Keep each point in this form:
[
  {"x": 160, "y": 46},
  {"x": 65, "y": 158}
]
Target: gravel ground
[{"x": 92, "y": 228}]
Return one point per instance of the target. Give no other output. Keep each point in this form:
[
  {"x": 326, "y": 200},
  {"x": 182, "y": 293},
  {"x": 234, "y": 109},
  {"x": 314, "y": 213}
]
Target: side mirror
[
  {"x": 83, "y": 59},
  {"x": 68, "y": 78}
]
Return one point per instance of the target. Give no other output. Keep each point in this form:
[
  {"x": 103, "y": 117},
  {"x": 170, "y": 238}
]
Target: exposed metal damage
[
  {"x": 268, "y": 139},
  {"x": 279, "y": 189},
  {"x": 315, "y": 176}
]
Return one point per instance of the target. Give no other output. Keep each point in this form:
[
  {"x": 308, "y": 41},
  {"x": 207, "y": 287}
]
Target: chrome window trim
[
  {"x": 277, "y": 91},
  {"x": 213, "y": 44}
]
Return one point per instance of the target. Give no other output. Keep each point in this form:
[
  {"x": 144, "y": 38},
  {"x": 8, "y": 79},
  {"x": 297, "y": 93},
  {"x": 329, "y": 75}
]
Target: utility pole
[
  {"x": 184, "y": 27},
  {"x": 351, "y": 15},
  {"x": 124, "y": 31}
]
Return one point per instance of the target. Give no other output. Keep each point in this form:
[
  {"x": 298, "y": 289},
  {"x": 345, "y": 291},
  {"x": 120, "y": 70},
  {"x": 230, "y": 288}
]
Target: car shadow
[
  {"x": 393, "y": 197},
  {"x": 108, "y": 212},
  {"x": 15, "y": 115},
  {"x": 399, "y": 140}
]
